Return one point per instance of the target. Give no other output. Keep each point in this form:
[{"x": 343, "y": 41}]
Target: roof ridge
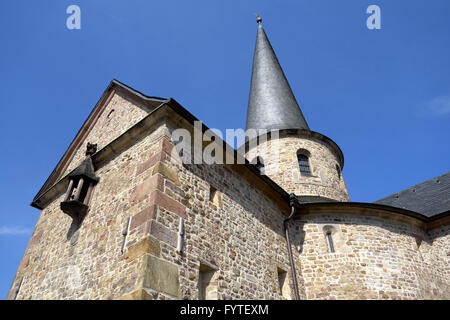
[{"x": 414, "y": 186}]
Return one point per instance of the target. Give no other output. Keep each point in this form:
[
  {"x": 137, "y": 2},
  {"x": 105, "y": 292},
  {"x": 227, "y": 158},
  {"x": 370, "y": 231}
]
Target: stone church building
[{"x": 124, "y": 217}]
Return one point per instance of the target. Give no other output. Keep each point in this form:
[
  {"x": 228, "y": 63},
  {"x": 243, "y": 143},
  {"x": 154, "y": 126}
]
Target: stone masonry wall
[
  {"x": 376, "y": 257},
  {"x": 281, "y": 165},
  {"x": 119, "y": 115},
  {"x": 240, "y": 236},
  {"x": 62, "y": 262},
  {"x": 238, "y": 232},
  {"x": 435, "y": 250}
]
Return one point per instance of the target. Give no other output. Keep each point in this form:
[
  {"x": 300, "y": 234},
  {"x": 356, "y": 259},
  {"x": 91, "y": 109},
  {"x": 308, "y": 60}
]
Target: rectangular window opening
[
  {"x": 283, "y": 283},
  {"x": 207, "y": 283}
]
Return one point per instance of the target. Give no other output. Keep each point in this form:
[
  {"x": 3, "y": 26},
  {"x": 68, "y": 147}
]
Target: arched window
[
  {"x": 338, "y": 170},
  {"x": 303, "y": 162},
  {"x": 259, "y": 164}
]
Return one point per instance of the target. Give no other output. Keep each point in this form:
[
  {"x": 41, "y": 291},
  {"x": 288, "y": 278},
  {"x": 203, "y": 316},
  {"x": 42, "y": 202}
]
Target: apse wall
[{"x": 378, "y": 255}]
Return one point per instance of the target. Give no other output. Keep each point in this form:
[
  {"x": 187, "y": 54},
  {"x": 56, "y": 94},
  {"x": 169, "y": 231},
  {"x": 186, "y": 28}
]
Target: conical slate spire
[{"x": 271, "y": 104}]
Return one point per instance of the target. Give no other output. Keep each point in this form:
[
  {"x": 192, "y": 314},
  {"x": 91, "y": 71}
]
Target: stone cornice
[
  {"x": 308, "y": 134},
  {"x": 359, "y": 207}
]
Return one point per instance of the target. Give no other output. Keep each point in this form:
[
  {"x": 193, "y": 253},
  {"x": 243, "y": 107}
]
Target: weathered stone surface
[
  {"x": 163, "y": 233},
  {"x": 144, "y": 190},
  {"x": 166, "y": 172},
  {"x": 140, "y": 294},
  {"x": 166, "y": 202},
  {"x": 166, "y": 146},
  {"x": 375, "y": 257},
  {"x": 161, "y": 276},
  {"x": 23, "y": 264},
  {"x": 147, "y": 245},
  {"x": 92, "y": 267},
  {"x": 35, "y": 238},
  {"x": 160, "y": 156},
  {"x": 143, "y": 216}
]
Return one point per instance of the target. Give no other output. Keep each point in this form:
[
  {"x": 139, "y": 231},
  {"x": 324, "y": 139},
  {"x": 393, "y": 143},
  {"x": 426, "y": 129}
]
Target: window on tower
[{"x": 303, "y": 163}]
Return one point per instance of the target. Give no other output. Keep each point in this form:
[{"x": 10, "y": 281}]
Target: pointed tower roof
[{"x": 271, "y": 104}]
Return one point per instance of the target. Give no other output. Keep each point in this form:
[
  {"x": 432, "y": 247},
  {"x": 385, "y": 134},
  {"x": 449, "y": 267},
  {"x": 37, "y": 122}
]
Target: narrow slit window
[
  {"x": 108, "y": 118},
  {"x": 110, "y": 114},
  {"x": 212, "y": 193},
  {"x": 330, "y": 241},
  {"x": 338, "y": 170},
  {"x": 303, "y": 163}
]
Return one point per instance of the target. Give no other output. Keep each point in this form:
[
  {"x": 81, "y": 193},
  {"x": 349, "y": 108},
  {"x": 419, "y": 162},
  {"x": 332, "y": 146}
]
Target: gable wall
[
  {"x": 62, "y": 262},
  {"x": 119, "y": 115}
]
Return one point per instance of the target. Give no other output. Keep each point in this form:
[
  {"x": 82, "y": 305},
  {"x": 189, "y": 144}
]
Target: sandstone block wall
[
  {"x": 242, "y": 239},
  {"x": 377, "y": 256},
  {"x": 240, "y": 235},
  {"x": 63, "y": 262}
]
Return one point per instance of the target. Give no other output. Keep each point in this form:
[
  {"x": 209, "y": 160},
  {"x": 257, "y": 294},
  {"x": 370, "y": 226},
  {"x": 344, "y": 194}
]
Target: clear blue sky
[{"x": 382, "y": 95}]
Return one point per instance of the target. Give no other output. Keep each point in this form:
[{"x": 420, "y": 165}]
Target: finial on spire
[{"x": 258, "y": 18}]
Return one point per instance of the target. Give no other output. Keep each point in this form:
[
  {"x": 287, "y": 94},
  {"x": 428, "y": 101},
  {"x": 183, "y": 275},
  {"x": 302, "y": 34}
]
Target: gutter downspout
[{"x": 291, "y": 258}]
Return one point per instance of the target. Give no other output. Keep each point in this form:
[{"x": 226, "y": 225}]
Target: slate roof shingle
[{"x": 429, "y": 198}]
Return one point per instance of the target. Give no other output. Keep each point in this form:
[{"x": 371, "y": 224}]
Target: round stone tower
[{"x": 299, "y": 160}]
